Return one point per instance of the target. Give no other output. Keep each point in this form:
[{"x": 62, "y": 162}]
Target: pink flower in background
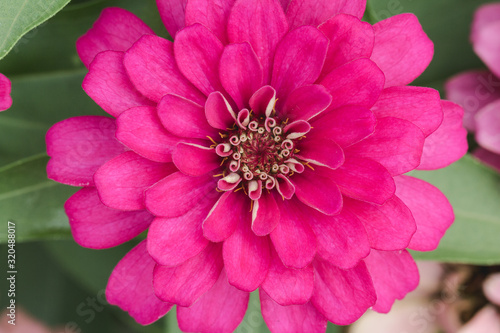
[
  {"x": 263, "y": 149},
  {"x": 479, "y": 90},
  {"x": 5, "y": 99}
]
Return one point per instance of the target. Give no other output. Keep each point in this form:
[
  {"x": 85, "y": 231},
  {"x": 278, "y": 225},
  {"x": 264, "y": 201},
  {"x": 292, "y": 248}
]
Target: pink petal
[
  {"x": 323, "y": 152},
  {"x": 389, "y": 227},
  {"x": 342, "y": 296},
  {"x": 306, "y": 102},
  {"x": 486, "y": 320},
  {"x": 491, "y": 288},
  {"x": 140, "y": 129},
  {"x": 449, "y": 142},
  {"x": 397, "y": 144},
  {"x": 246, "y": 256},
  {"x": 263, "y": 101},
  {"x": 341, "y": 239},
  {"x": 194, "y": 160},
  {"x": 318, "y": 191},
  {"x": 184, "y": 118},
  {"x": 484, "y": 16},
  {"x": 486, "y": 43},
  {"x": 96, "y": 226},
  {"x": 402, "y": 49},
  {"x": 108, "y": 85},
  {"x": 172, "y": 14},
  {"x": 178, "y": 193},
  {"x": 213, "y": 14},
  {"x": 265, "y": 214},
  {"x": 172, "y": 241},
  {"x": 121, "y": 182},
  {"x": 287, "y": 286},
  {"x": 358, "y": 82},
  {"x": 365, "y": 180},
  {"x": 220, "y": 310},
  {"x": 292, "y": 318},
  {"x": 432, "y": 211},
  {"x": 346, "y": 126},
  {"x": 298, "y": 60},
  {"x": 152, "y": 68},
  {"x": 219, "y": 112},
  {"x": 394, "y": 274},
  {"x": 116, "y": 29},
  {"x": 350, "y": 39},
  {"x": 78, "y": 147},
  {"x": 240, "y": 72},
  {"x": 261, "y": 23},
  {"x": 424, "y": 103},
  {"x": 5, "y": 99},
  {"x": 472, "y": 90},
  {"x": 488, "y": 158},
  {"x": 293, "y": 239},
  {"x": 225, "y": 216},
  {"x": 198, "y": 52},
  {"x": 302, "y": 12},
  {"x": 487, "y": 125},
  {"x": 184, "y": 284},
  {"x": 131, "y": 287}
]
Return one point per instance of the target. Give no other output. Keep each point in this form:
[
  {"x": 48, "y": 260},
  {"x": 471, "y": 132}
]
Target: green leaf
[
  {"x": 20, "y": 16},
  {"x": 474, "y": 192},
  {"x": 32, "y": 201},
  {"x": 447, "y": 22}
]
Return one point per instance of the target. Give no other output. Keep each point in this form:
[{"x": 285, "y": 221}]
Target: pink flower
[
  {"x": 5, "y": 99},
  {"x": 479, "y": 90},
  {"x": 263, "y": 149}
]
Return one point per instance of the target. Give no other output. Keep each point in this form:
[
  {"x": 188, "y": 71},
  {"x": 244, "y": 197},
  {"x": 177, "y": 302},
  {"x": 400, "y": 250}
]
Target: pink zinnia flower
[
  {"x": 263, "y": 148},
  {"x": 479, "y": 90},
  {"x": 5, "y": 99}
]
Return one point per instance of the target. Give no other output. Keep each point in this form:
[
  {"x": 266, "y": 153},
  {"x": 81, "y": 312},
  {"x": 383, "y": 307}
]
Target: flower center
[{"x": 259, "y": 151}]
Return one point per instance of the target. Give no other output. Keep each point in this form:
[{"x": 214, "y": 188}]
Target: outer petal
[
  {"x": 472, "y": 90},
  {"x": 225, "y": 216},
  {"x": 350, "y": 39},
  {"x": 298, "y": 60},
  {"x": 78, "y": 147},
  {"x": 303, "y": 12},
  {"x": 131, "y": 287},
  {"x": 184, "y": 118},
  {"x": 172, "y": 241},
  {"x": 341, "y": 239},
  {"x": 198, "y": 52},
  {"x": 195, "y": 160},
  {"x": 220, "y": 310},
  {"x": 121, "y": 182},
  {"x": 396, "y": 144},
  {"x": 421, "y": 106},
  {"x": 261, "y": 23},
  {"x": 389, "y": 227},
  {"x": 358, "y": 82},
  {"x": 213, "y": 14},
  {"x": 107, "y": 83},
  {"x": 96, "y": 226},
  {"x": 394, "y": 275},
  {"x": 172, "y": 14},
  {"x": 5, "y": 99},
  {"x": 287, "y": 286},
  {"x": 364, "y": 179},
  {"x": 116, "y": 29},
  {"x": 487, "y": 125},
  {"x": 342, "y": 296},
  {"x": 292, "y": 318},
  {"x": 240, "y": 73},
  {"x": 184, "y": 284},
  {"x": 306, "y": 102},
  {"x": 246, "y": 256},
  {"x": 432, "y": 212},
  {"x": 449, "y": 142},
  {"x": 293, "y": 239},
  {"x": 140, "y": 129},
  {"x": 402, "y": 49},
  {"x": 151, "y": 66},
  {"x": 178, "y": 193}
]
